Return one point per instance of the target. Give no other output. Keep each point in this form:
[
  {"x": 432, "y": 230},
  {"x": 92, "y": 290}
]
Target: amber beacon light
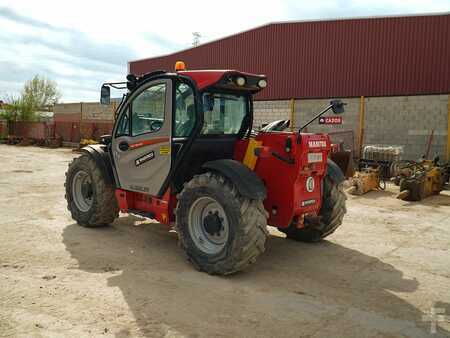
[{"x": 179, "y": 66}]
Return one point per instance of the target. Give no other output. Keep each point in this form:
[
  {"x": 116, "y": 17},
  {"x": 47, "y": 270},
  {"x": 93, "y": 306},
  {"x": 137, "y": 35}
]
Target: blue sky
[{"x": 81, "y": 44}]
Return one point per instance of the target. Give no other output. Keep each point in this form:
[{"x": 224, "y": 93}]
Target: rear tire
[
  {"x": 90, "y": 199},
  {"x": 332, "y": 213},
  {"x": 220, "y": 230}
]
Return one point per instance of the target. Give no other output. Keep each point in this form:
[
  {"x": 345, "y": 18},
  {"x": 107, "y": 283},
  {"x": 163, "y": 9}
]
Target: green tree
[
  {"x": 18, "y": 109},
  {"x": 37, "y": 94},
  {"x": 40, "y": 92}
]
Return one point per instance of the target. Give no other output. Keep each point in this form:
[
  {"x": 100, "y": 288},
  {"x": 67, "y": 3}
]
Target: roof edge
[{"x": 392, "y": 16}]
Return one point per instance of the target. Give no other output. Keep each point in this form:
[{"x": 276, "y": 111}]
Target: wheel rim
[
  {"x": 82, "y": 191},
  {"x": 208, "y": 225}
]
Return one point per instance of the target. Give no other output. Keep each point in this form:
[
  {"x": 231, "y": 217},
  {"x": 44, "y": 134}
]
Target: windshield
[{"x": 223, "y": 113}]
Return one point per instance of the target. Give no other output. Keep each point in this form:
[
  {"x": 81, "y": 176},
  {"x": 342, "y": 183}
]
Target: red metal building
[{"x": 381, "y": 56}]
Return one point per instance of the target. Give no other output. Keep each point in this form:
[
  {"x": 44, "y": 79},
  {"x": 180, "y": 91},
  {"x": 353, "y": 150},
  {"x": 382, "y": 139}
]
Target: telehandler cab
[{"x": 183, "y": 152}]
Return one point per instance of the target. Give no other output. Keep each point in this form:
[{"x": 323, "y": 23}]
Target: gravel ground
[{"x": 377, "y": 276}]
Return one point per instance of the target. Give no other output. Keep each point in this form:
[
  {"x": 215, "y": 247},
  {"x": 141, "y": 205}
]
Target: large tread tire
[
  {"x": 104, "y": 209},
  {"x": 247, "y": 222},
  {"x": 332, "y": 213}
]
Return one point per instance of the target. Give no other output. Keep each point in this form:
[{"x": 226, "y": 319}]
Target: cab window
[
  {"x": 223, "y": 113},
  {"x": 184, "y": 111},
  {"x": 147, "y": 110}
]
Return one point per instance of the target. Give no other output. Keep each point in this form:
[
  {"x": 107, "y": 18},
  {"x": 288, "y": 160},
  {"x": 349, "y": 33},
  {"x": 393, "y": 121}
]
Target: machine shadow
[
  {"x": 159, "y": 286},
  {"x": 436, "y": 201},
  {"x": 376, "y": 194}
]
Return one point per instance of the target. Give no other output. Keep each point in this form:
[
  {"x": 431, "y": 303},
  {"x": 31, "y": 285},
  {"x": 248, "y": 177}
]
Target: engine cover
[{"x": 292, "y": 167}]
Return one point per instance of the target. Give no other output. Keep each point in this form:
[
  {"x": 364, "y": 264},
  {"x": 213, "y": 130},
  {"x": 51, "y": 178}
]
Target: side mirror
[
  {"x": 131, "y": 81},
  {"x": 337, "y": 106},
  {"x": 105, "y": 95},
  {"x": 208, "y": 102}
]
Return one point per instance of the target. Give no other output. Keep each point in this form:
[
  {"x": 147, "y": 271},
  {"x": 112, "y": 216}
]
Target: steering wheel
[{"x": 155, "y": 125}]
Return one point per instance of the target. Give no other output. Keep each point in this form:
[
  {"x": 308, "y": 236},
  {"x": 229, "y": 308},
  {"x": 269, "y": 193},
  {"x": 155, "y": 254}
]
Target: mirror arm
[
  {"x": 316, "y": 117},
  {"x": 116, "y": 85}
]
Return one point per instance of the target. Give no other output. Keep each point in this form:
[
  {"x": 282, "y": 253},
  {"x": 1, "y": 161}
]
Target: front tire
[
  {"x": 90, "y": 199},
  {"x": 332, "y": 213},
  {"x": 220, "y": 230}
]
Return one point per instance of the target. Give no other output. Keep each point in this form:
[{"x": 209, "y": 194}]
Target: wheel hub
[
  {"x": 82, "y": 191},
  {"x": 213, "y": 223},
  {"x": 86, "y": 189},
  {"x": 208, "y": 225}
]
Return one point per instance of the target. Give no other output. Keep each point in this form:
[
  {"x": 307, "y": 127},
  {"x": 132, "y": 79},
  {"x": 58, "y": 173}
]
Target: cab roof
[{"x": 209, "y": 78}]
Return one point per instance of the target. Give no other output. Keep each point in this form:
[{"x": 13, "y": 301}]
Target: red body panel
[
  {"x": 205, "y": 78},
  {"x": 160, "y": 209},
  {"x": 287, "y": 183},
  {"x": 288, "y": 199}
]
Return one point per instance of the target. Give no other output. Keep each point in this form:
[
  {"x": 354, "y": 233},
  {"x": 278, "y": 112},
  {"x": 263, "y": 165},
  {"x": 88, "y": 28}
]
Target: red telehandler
[{"x": 183, "y": 152}]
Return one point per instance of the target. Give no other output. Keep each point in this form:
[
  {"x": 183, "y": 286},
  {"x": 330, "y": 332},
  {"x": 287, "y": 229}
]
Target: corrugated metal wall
[
  {"x": 342, "y": 58},
  {"x": 33, "y": 130}
]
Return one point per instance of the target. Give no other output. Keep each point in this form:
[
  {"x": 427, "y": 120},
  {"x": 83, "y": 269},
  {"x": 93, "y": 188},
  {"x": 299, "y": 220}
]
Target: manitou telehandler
[{"x": 183, "y": 152}]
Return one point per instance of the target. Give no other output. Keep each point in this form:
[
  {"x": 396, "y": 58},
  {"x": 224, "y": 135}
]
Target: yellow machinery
[
  {"x": 420, "y": 180},
  {"x": 366, "y": 180},
  {"x": 85, "y": 142}
]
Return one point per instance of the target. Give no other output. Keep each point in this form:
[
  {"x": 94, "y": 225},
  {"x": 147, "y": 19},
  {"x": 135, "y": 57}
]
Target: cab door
[{"x": 141, "y": 141}]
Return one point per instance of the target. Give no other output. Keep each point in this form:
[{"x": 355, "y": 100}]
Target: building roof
[{"x": 379, "y": 56}]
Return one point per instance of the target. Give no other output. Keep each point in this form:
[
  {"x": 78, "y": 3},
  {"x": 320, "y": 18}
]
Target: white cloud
[{"x": 82, "y": 43}]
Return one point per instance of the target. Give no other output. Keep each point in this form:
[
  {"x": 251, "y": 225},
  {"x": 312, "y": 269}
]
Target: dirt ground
[{"x": 377, "y": 276}]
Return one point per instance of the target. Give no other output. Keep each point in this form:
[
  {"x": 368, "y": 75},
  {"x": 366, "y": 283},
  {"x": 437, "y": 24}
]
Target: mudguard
[
  {"x": 246, "y": 181},
  {"x": 334, "y": 172},
  {"x": 101, "y": 157}
]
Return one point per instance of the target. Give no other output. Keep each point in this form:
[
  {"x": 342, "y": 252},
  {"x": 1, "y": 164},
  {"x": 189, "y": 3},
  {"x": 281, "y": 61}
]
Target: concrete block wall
[
  {"x": 93, "y": 111},
  {"x": 75, "y": 121},
  {"x": 268, "y": 111},
  {"x": 306, "y": 109},
  {"x": 67, "y": 112},
  {"x": 408, "y": 121},
  {"x": 401, "y": 120},
  {"x": 85, "y": 111},
  {"x": 67, "y": 108}
]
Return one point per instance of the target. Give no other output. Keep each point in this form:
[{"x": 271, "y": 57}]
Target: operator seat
[
  {"x": 205, "y": 148},
  {"x": 184, "y": 129}
]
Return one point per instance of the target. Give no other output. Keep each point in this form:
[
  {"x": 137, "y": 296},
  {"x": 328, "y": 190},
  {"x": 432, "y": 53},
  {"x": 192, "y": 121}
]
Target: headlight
[
  {"x": 240, "y": 81},
  {"x": 262, "y": 83}
]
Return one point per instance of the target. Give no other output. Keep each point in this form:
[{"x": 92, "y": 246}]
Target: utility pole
[{"x": 196, "y": 39}]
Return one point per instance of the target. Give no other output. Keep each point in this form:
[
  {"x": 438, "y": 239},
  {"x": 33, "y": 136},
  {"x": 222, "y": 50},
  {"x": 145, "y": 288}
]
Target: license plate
[{"x": 315, "y": 157}]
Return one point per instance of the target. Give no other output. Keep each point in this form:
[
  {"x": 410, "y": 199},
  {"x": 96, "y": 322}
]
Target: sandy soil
[{"x": 377, "y": 276}]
